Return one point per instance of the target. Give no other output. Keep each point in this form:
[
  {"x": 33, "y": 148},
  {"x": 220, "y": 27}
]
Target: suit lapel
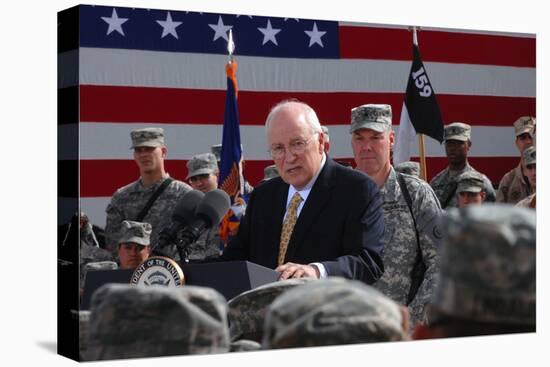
[
  {"x": 316, "y": 201},
  {"x": 275, "y": 215}
]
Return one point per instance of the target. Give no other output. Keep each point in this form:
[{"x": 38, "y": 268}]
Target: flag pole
[
  {"x": 421, "y": 147},
  {"x": 423, "y": 173},
  {"x": 230, "y": 47}
]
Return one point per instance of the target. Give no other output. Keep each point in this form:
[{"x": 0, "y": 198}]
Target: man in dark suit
[{"x": 318, "y": 218}]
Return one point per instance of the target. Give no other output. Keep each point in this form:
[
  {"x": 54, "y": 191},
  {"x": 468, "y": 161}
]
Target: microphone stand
[{"x": 189, "y": 235}]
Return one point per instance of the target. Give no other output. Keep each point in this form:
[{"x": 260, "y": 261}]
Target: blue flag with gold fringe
[{"x": 231, "y": 173}]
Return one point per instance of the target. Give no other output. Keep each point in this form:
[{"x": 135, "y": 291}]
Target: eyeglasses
[{"x": 296, "y": 147}]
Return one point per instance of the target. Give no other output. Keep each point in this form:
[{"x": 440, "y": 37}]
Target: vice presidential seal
[{"x": 159, "y": 271}]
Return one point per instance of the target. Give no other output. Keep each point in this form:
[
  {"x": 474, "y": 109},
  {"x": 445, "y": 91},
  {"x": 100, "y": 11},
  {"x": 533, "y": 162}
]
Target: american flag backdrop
[{"x": 128, "y": 68}]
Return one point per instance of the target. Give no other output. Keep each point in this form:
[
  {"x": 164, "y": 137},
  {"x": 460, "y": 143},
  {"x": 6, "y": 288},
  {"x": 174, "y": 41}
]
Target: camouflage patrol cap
[
  {"x": 247, "y": 310},
  {"x": 409, "y": 168},
  {"x": 135, "y": 232},
  {"x": 201, "y": 164},
  {"x": 470, "y": 181},
  {"x": 270, "y": 172},
  {"x": 130, "y": 321},
  {"x": 376, "y": 117},
  {"x": 488, "y": 265},
  {"x": 331, "y": 311},
  {"x": 530, "y": 155},
  {"x": 524, "y": 124},
  {"x": 216, "y": 149},
  {"x": 148, "y": 137},
  {"x": 457, "y": 131}
]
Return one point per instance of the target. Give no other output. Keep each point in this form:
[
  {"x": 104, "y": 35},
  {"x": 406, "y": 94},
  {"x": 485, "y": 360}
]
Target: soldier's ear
[{"x": 164, "y": 151}]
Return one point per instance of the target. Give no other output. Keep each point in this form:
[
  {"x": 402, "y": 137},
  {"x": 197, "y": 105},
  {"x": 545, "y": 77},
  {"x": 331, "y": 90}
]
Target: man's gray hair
[
  {"x": 311, "y": 116},
  {"x": 325, "y": 133}
]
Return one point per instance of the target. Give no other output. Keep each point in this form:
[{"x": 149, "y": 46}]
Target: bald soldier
[
  {"x": 514, "y": 185},
  {"x": 410, "y": 210},
  {"x": 136, "y": 200},
  {"x": 457, "y": 140}
]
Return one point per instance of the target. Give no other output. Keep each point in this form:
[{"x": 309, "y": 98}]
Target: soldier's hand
[{"x": 291, "y": 270}]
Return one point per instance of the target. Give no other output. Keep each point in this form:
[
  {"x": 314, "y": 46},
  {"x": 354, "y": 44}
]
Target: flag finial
[{"x": 230, "y": 46}]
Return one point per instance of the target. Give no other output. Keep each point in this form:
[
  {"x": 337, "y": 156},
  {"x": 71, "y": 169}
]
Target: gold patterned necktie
[{"x": 288, "y": 226}]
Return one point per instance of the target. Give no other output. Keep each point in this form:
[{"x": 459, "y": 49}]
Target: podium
[{"x": 229, "y": 278}]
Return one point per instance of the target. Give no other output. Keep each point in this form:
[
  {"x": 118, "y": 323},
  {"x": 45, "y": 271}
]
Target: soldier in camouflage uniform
[
  {"x": 247, "y": 310},
  {"x": 332, "y": 311},
  {"x": 457, "y": 144},
  {"x": 134, "y": 244},
  {"x": 203, "y": 172},
  {"x": 529, "y": 162},
  {"x": 409, "y": 240},
  {"x": 128, "y": 201},
  {"x": 126, "y": 321},
  {"x": 487, "y": 274},
  {"x": 203, "y": 176},
  {"x": 514, "y": 186},
  {"x": 470, "y": 189},
  {"x": 133, "y": 248}
]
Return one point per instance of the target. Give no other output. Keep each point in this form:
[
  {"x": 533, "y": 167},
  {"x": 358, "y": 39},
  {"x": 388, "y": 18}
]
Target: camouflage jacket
[
  {"x": 444, "y": 183},
  {"x": 513, "y": 187},
  {"x": 206, "y": 247},
  {"x": 400, "y": 244},
  {"x": 129, "y": 200}
]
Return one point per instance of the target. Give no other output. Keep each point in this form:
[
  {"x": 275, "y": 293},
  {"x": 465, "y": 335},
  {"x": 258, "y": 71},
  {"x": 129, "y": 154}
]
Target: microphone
[
  {"x": 183, "y": 214},
  {"x": 209, "y": 213}
]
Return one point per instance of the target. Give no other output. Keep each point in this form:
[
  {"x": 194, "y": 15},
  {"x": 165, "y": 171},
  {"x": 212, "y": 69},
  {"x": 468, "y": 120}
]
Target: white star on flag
[
  {"x": 169, "y": 26},
  {"x": 269, "y": 33},
  {"x": 115, "y": 23},
  {"x": 315, "y": 36},
  {"x": 221, "y": 29}
]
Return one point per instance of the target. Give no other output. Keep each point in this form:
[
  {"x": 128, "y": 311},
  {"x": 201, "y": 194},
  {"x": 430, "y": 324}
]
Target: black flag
[{"x": 420, "y": 101}]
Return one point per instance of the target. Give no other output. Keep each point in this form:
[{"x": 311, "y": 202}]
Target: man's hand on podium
[{"x": 291, "y": 270}]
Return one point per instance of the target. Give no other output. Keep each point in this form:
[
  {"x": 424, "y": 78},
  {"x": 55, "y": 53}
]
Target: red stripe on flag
[
  {"x": 104, "y": 177},
  {"x": 177, "y": 106},
  {"x": 449, "y": 47}
]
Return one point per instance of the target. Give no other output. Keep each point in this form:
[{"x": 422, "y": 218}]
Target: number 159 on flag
[{"x": 421, "y": 82}]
